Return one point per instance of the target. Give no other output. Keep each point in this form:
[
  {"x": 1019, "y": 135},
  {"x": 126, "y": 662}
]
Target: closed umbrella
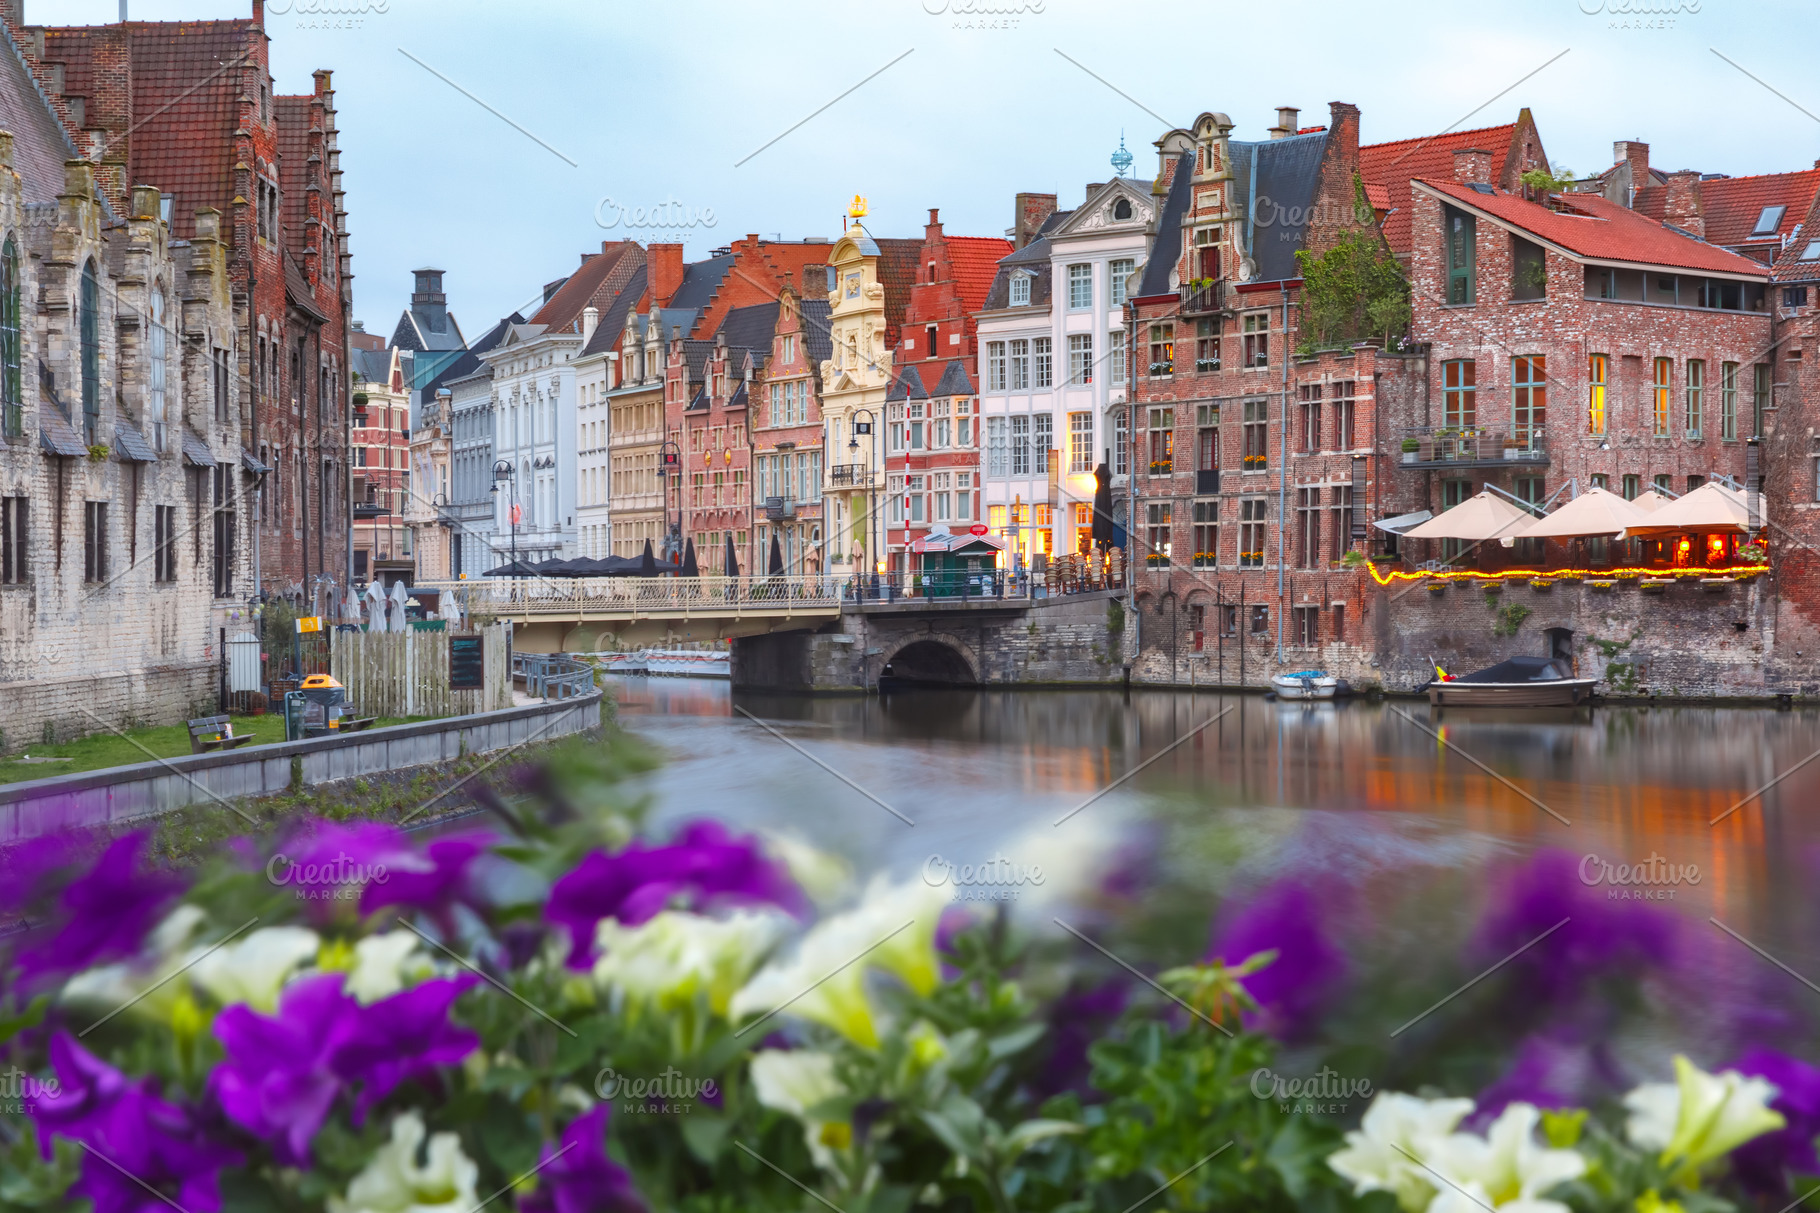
[
  {"x": 689, "y": 568},
  {"x": 775, "y": 567},
  {"x": 1103, "y": 526},
  {"x": 732, "y": 558},
  {"x": 1594, "y": 512},
  {"x": 647, "y": 564},
  {"x": 395, "y": 617},
  {"x": 375, "y": 597},
  {"x": 1482, "y": 516},
  {"x": 1711, "y": 507}
]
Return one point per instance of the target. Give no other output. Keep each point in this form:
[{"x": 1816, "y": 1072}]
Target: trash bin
[
  {"x": 293, "y": 715},
  {"x": 325, "y": 702}
]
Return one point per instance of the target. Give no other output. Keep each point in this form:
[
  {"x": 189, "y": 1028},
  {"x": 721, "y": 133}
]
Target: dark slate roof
[
  {"x": 700, "y": 280},
  {"x": 613, "y": 316},
  {"x": 57, "y": 436},
  {"x": 700, "y": 399},
  {"x": 738, "y": 399},
  {"x": 132, "y": 444},
  {"x": 671, "y": 319},
  {"x": 374, "y": 366},
  {"x": 1032, "y": 259},
  {"x": 297, "y": 290},
  {"x": 955, "y": 380},
  {"x": 908, "y": 386},
  {"x": 695, "y": 359},
  {"x": 818, "y": 338},
  {"x": 40, "y": 143},
  {"x": 751, "y": 327},
  {"x": 1279, "y": 178},
  {"x": 416, "y": 331},
  {"x": 1166, "y": 248},
  {"x": 469, "y": 360},
  {"x": 251, "y": 464},
  {"x": 196, "y": 452}
]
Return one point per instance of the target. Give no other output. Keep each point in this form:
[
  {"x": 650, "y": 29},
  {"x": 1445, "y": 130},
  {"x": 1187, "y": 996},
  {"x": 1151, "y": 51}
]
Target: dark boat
[{"x": 1521, "y": 682}]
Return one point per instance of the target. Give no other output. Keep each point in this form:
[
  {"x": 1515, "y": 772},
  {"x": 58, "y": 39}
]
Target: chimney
[
  {"x": 1032, "y": 211},
  {"x": 1343, "y": 130},
  {"x": 590, "y": 320},
  {"x": 815, "y": 282},
  {"x": 666, "y": 268},
  {"x": 1472, "y": 166},
  {"x": 934, "y": 226},
  {"x": 1681, "y": 206},
  {"x": 1635, "y": 153},
  {"x": 1286, "y": 122}
]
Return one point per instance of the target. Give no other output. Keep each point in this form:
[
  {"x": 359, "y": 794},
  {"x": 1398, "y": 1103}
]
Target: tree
[{"x": 1354, "y": 290}]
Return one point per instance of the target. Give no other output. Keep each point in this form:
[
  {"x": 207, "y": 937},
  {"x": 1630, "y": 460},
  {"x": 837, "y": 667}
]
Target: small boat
[
  {"x": 1309, "y": 684},
  {"x": 1521, "y": 682}
]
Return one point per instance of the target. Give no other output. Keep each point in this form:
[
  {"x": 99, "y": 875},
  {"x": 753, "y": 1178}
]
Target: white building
[{"x": 1053, "y": 368}]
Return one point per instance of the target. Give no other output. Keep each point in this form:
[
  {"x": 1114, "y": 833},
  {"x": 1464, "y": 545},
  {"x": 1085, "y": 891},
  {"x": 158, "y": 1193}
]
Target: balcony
[
  {"x": 370, "y": 509},
  {"x": 1206, "y": 297},
  {"x": 779, "y": 509},
  {"x": 855, "y": 474},
  {"x": 1472, "y": 446}
]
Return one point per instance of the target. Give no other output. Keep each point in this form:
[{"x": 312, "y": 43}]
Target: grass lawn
[{"x": 136, "y": 745}]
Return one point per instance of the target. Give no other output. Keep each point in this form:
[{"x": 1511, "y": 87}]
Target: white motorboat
[{"x": 1309, "y": 684}]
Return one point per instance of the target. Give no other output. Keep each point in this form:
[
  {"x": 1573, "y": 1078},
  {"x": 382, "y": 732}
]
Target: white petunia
[
  {"x": 1396, "y": 1134},
  {"x": 797, "y": 1081},
  {"x": 1654, "y": 1108},
  {"x": 824, "y": 876},
  {"x": 1508, "y": 1168},
  {"x": 393, "y": 1182},
  {"x": 1700, "y": 1116},
  {"x": 385, "y": 964},
  {"x": 147, "y": 986},
  {"x": 253, "y": 968},
  {"x": 674, "y": 956}
]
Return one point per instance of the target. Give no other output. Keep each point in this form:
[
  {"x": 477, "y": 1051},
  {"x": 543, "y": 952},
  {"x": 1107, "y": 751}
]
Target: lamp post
[
  {"x": 503, "y": 471},
  {"x": 670, "y": 467},
  {"x": 865, "y": 427}
]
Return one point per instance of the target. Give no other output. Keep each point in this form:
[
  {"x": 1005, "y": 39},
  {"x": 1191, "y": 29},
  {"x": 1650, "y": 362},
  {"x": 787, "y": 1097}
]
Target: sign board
[
  {"x": 467, "y": 663},
  {"x": 309, "y": 623},
  {"x": 978, "y": 528}
]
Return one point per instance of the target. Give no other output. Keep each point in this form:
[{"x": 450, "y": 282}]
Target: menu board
[{"x": 467, "y": 663}]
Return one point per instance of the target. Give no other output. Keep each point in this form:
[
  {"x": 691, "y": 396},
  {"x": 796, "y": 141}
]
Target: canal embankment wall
[{"x": 121, "y": 794}]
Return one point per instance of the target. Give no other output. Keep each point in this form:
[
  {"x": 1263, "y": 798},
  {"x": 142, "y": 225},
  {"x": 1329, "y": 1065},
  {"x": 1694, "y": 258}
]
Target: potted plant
[
  {"x": 1353, "y": 559},
  {"x": 1410, "y": 448},
  {"x": 1753, "y": 553}
]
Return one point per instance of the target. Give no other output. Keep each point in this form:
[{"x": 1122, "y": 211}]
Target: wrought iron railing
[
  {"x": 1440, "y": 446},
  {"x": 579, "y": 597},
  {"x": 1203, "y": 298}
]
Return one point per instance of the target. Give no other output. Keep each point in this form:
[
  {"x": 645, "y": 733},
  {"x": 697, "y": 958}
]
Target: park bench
[{"x": 215, "y": 733}]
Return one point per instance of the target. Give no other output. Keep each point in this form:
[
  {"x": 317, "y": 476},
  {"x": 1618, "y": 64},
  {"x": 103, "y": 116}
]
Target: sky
[{"x": 500, "y": 141}]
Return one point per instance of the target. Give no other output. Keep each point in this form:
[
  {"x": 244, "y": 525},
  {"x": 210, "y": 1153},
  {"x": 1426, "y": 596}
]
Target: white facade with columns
[{"x": 534, "y": 430}]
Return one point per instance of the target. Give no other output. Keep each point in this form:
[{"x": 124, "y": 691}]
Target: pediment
[{"x": 1099, "y": 213}]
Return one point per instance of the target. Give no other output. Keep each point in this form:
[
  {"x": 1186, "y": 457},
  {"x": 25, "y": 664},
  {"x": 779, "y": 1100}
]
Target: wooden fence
[{"x": 407, "y": 673}]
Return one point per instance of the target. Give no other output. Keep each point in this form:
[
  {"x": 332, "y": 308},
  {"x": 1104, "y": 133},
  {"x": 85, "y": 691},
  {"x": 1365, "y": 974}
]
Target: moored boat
[
  {"x": 1308, "y": 684},
  {"x": 1520, "y": 682}
]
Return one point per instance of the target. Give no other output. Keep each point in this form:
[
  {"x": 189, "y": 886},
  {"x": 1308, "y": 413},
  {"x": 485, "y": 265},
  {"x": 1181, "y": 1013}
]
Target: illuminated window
[
  {"x": 1159, "y": 532},
  {"x": 1596, "y": 367},
  {"x": 1659, "y": 417}
]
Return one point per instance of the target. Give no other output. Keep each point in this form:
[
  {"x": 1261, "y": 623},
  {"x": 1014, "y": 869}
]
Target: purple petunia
[
  {"x": 387, "y": 863},
  {"x": 132, "y": 1139},
  {"x": 579, "y": 1177},
  {"x": 1289, "y": 919},
  {"x": 705, "y": 865},
  {"x": 1078, "y": 1019},
  {"x": 1765, "y": 1163},
  {"x": 105, "y": 913},
  {"x": 1550, "y": 1071},
  {"x": 283, "y": 1072}
]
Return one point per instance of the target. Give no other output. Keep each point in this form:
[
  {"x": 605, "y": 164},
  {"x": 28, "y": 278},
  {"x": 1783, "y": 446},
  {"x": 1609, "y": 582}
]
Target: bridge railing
[
  {"x": 553, "y": 675},
  {"x": 578, "y": 596}
]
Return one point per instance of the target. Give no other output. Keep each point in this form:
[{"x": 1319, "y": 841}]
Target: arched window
[
  {"x": 91, "y": 354},
  {"x": 155, "y": 394},
  {"x": 12, "y": 399}
]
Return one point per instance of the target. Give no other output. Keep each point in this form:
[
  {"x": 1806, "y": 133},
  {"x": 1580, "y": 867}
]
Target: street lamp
[
  {"x": 503, "y": 471},
  {"x": 865, "y": 427},
  {"x": 670, "y": 466}
]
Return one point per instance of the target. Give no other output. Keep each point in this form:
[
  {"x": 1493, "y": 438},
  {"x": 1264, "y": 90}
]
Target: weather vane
[{"x": 1121, "y": 159}]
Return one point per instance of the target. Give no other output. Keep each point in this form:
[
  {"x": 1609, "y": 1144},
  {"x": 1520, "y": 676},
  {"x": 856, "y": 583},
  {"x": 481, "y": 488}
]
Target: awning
[
  {"x": 251, "y": 464},
  {"x": 132, "y": 445},
  {"x": 1402, "y": 522},
  {"x": 943, "y": 541},
  {"x": 1711, "y": 507},
  {"x": 57, "y": 436},
  {"x": 1595, "y": 512},
  {"x": 196, "y": 452},
  {"x": 1482, "y": 516}
]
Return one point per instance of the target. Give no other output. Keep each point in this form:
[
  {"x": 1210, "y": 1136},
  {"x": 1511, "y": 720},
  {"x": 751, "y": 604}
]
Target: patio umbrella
[
  {"x": 647, "y": 564},
  {"x": 732, "y": 558},
  {"x": 1594, "y": 512},
  {"x": 1650, "y": 501},
  {"x": 775, "y": 566},
  {"x": 396, "y": 621},
  {"x": 1103, "y": 526},
  {"x": 517, "y": 568},
  {"x": 689, "y": 567},
  {"x": 1711, "y": 507},
  {"x": 375, "y": 597},
  {"x": 1482, "y": 516}
]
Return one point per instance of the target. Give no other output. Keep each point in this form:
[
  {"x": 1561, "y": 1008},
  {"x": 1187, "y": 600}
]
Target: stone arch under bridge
[{"x": 930, "y": 660}]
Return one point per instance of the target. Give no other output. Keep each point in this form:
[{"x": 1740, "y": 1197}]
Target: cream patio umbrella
[
  {"x": 1711, "y": 507},
  {"x": 1650, "y": 500},
  {"x": 1593, "y": 513},
  {"x": 1484, "y": 515}
]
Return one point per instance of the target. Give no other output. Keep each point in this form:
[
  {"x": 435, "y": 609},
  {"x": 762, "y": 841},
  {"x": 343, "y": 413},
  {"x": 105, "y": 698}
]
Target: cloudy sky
[{"x": 494, "y": 138}]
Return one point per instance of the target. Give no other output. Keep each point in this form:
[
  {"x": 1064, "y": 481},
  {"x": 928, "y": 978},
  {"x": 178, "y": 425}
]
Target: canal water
[{"x": 1197, "y": 798}]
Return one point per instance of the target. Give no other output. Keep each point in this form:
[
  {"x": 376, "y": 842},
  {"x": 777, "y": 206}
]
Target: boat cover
[{"x": 1519, "y": 669}]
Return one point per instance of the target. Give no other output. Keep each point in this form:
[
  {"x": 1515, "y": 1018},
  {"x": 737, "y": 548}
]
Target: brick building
[
  {"x": 1791, "y": 455},
  {"x": 787, "y": 432},
  {"x": 379, "y": 451},
  {"x": 707, "y": 403}
]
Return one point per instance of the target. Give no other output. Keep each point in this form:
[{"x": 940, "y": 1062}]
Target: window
[
  {"x": 164, "y": 543},
  {"x": 1020, "y": 290},
  {"x": 1311, "y": 417},
  {"x": 916, "y": 501},
  {"x": 1597, "y": 367},
  {"x": 917, "y": 408},
  {"x": 1206, "y": 534},
  {"x": 1253, "y": 512},
  {"x": 1257, "y": 435},
  {"x": 1117, "y": 369},
  {"x": 1080, "y": 358},
  {"x": 94, "y": 541},
  {"x": 963, "y": 498},
  {"x": 1661, "y": 483},
  {"x": 1305, "y": 626},
  {"x": 1760, "y": 395},
  {"x": 1459, "y": 393},
  {"x": 1162, "y": 441},
  {"x": 1529, "y": 395},
  {"x": 1207, "y": 439},
  {"x": 963, "y": 422},
  {"x": 1342, "y": 415},
  {"x": 1020, "y": 365},
  {"x": 1229, "y": 621},
  {"x": 944, "y": 497},
  {"x": 1341, "y": 511},
  {"x": 995, "y": 366},
  {"x": 995, "y": 446},
  {"x": 91, "y": 356},
  {"x": 1121, "y": 444},
  {"x": 1659, "y": 398},
  {"x": 1728, "y": 401},
  {"x": 1768, "y": 220},
  {"x": 942, "y": 427},
  {"x": 1256, "y": 327},
  {"x": 1118, "y": 274},
  {"x": 222, "y": 382},
  {"x": 1162, "y": 349},
  {"x": 1260, "y": 620},
  {"x": 1600, "y": 480},
  {"x": 1339, "y": 621},
  {"x": 1462, "y": 254},
  {"x": 1207, "y": 345},
  {"x": 1042, "y": 440},
  {"x": 1080, "y": 442},
  {"x": 1529, "y": 270},
  {"x": 1045, "y": 369},
  {"x": 1308, "y": 528},
  {"x": 1080, "y": 286},
  {"x": 932, "y": 334},
  {"x": 154, "y": 388},
  {"x": 1632, "y": 486},
  {"x": 12, "y": 398},
  {"x": 1794, "y": 296},
  {"x": 1696, "y": 388},
  {"x": 1159, "y": 531},
  {"x": 13, "y": 535},
  {"x": 1020, "y": 445}
]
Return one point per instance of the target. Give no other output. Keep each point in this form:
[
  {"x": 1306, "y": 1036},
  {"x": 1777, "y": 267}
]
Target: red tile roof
[
  {"x": 975, "y": 260},
  {"x": 1393, "y": 165},
  {"x": 597, "y": 281},
  {"x": 1732, "y": 204},
  {"x": 898, "y": 261},
  {"x": 1600, "y": 230}
]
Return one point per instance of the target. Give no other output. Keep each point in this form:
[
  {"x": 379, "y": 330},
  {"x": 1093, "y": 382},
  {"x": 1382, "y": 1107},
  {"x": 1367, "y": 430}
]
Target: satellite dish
[{"x": 1248, "y": 269}]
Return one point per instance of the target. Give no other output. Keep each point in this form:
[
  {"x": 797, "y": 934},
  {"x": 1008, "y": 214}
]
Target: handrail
[{"x": 513, "y": 596}]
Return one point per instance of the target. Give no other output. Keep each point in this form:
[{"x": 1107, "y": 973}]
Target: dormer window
[
  {"x": 1769, "y": 220},
  {"x": 1020, "y": 290}
]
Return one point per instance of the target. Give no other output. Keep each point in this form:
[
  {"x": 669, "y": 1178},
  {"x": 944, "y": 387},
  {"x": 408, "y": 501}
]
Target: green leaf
[
  {"x": 1008, "y": 1044},
  {"x": 705, "y": 1135},
  {"x": 1030, "y": 1132},
  {"x": 31, "y": 1017}
]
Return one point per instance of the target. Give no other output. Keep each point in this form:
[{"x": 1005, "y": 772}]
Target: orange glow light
[{"x": 1749, "y": 570}]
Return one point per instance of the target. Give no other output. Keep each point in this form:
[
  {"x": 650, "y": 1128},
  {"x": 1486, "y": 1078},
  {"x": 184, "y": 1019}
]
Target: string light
[{"x": 1749, "y": 570}]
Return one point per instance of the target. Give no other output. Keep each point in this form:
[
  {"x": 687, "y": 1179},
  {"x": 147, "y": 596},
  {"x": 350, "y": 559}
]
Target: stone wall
[{"x": 58, "y": 708}]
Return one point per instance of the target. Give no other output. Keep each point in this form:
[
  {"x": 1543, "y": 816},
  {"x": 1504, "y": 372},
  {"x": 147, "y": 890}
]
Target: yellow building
[{"x": 855, "y": 378}]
